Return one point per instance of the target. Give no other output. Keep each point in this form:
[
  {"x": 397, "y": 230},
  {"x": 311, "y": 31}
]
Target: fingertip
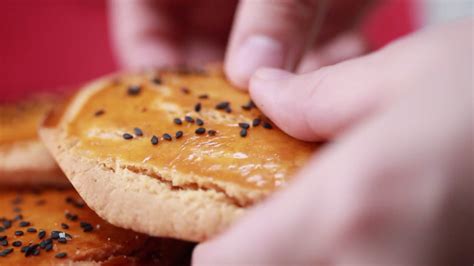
[
  {"x": 263, "y": 84},
  {"x": 254, "y": 52},
  {"x": 235, "y": 78}
]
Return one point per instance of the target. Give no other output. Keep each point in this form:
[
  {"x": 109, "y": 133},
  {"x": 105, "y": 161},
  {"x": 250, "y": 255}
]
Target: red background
[{"x": 55, "y": 44}]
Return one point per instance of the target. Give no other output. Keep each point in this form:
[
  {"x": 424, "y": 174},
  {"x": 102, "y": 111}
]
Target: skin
[
  {"x": 296, "y": 35},
  {"x": 394, "y": 186}
]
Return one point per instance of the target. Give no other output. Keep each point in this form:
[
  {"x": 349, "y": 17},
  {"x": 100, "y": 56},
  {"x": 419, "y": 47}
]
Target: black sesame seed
[
  {"x": 244, "y": 125},
  {"x": 17, "y": 244},
  {"x": 36, "y": 252},
  {"x": 42, "y": 244},
  {"x": 197, "y": 107},
  {"x": 62, "y": 240},
  {"x": 79, "y": 205},
  {"x": 138, "y": 132},
  {"x": 5, "y": 252},
  {"x": 185, "y": 90},
  {"x": 31, "y": 230},
  {"x": 4, "y": 243},
  {"x": 127, "y": 136},
  {"x": 41, "y": 234},
  {"x": 243, "y": 132},
  {"x": 200, "y": 131},
  {"x": 71, "y": 217},
  {"x": 61, "y": 255},
  {"x": 86, "y": 227},
  {"x": 7, "y": 224},
  {"x": 267, "y": 125},
  {"x": 3, "y": 238},
  {"x": 154, "y": 140},
  {"x": 212, "y": 132},
  {"x": 49, "y": 247},
  {"x": 24, "y": 224},
  {"x": 203, "y": 96},
  {"x": 69, "y": 200},
  {"x": 134, "y": 90},
  {"x": 179, "y": 134},
  {"x": 167, "y": 136},
  {"x": 256, "y": 122},
  {"x": 24, "y": 248},
  {"x": 177, "y": 121},
  {"x": 199, "y": 122},
  {"x": 156, "y": 80},
  {"x": 99, "y": 112},
  {"x": 55, "y": 235},
  {"x": 222, "y": 105},
  {"x": 228, "y": 110},
  {"x": 64, "y": 226},
  {"x": 246, "y": 107},
  {"x": 19, "y": 233},
  {"x": 189, "y": 119}
]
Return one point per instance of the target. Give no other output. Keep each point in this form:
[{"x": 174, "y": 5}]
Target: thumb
[
  {"x": 277, "y": 40},
  {"x": 320, "y": 104}
]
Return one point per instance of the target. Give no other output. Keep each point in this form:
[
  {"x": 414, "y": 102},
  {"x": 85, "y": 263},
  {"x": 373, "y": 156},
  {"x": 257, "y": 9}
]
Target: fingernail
[{"x": 255, "y": 52}]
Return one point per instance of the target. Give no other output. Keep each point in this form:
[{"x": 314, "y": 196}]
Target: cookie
[
  {"x": 171, "y": 153},
  {"x": 24, "y": 160},
  {"x": 55, "y": 227}
]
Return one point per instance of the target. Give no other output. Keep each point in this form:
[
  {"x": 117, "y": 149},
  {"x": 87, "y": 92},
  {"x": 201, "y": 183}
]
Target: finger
[
  {"x": 343, "y": 47},
  {"x": 323, "y": 103},
  {"x": 269, "y": 34},
  {"x": 145, "y": 33},
  {"x": 364, "y": 200},
  {"x": 320, "y": 104}
]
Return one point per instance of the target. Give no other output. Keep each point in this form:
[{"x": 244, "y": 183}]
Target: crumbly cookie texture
[{"x": 170, "y": 153}]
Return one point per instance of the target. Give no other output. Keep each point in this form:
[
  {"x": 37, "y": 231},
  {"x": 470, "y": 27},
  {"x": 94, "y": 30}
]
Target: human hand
[
  {"x": 395, "y": 185},
  {"x": 277, "y": 33}
]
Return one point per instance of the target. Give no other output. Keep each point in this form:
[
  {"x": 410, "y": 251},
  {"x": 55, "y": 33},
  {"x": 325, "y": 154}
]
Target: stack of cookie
[
  {"x": 43, "y": 221},
  {"x": 171, "y": 153}
]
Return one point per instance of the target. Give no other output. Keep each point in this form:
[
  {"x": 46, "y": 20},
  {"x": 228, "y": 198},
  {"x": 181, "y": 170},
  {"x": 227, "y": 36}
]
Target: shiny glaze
[
  {"x": 263, "y": 160},
  {"x": 19, "y": 121}
]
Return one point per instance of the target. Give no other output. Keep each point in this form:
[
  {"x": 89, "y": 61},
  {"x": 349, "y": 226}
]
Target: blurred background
[{"x": 53, "y": 45}]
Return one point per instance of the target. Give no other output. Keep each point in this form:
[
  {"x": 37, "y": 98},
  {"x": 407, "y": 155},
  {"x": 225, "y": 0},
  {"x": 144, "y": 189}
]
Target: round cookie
[{"x": 170, "y": 153}]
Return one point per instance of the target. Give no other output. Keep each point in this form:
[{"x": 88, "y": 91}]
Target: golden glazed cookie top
[
  {"x": 19, "y": 121},
  {"x": 193, "y": 123}
]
